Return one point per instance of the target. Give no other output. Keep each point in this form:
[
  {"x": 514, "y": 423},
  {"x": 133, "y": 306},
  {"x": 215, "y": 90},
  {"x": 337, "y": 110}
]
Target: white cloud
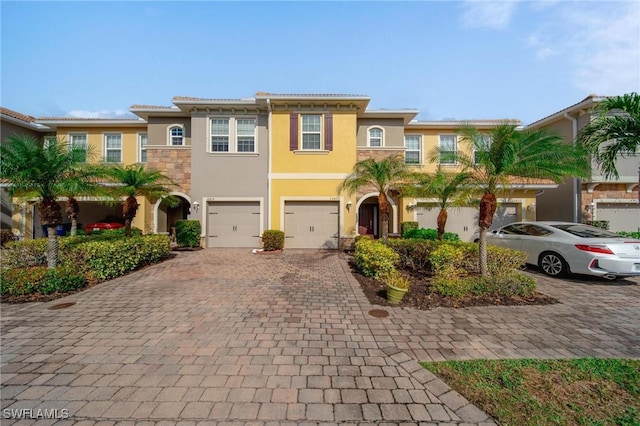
[
  {"x": 104, "y": 113},
  {"x": 494, "y": 15},
  {"x": 599, "y": 41}
]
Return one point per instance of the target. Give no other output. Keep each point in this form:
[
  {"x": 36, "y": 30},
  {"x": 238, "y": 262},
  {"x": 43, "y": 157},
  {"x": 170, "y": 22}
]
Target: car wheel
[{"x": 553, "y": 264}]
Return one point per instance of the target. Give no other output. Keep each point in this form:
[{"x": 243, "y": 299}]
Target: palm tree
[
  {"x": 43, "y": 172},
  {"x": 137, "y": 181},
  {"x": 515, "y": 154},
  {"x": 382, "y": 175},
  {"x": 83, "y": 179},
  {"x": 614, "y": 132},
  {"x": 449, "y": 189}
]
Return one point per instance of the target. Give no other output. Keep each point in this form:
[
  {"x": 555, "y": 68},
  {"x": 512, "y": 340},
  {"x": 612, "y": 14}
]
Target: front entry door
[{"x": 368, "y": 220}]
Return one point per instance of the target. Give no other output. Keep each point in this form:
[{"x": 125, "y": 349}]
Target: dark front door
[{"x": 368, "y": 220}]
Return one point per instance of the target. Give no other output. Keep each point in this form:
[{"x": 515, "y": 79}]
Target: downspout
[
  {"x": 269, "y": 123},
  {"x": 577, "y": 196}
]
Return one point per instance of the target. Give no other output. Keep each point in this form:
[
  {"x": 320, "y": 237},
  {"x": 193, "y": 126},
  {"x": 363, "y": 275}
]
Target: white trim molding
[
  {"x": 308, "y": 176},
  {"x": 375, "y": 127},
  {"x": 394, "y": 209},
  {"x": 339, "y": 199},
  {"x": 156, "y": 206},
  {"x": 204, "y": 206}
]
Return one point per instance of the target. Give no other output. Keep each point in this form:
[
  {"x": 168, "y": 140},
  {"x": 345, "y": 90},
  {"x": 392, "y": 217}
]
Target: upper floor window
[
  {"x": 143, "y": 141},
  {"x": 315, "y": 130},
  {"x": 79, "y": 141},
  {"x": 483, "y": 146},
  {"x": 113, "y": 147},
  {"x": 448, "y": 149},
  {"x": 376, "y": 137},
  {"x": 412, "y": 153},
  {"x": 176, "y": 136},
  {"x": 233, "y": 134},
  {"x": 311, "y": 132}
]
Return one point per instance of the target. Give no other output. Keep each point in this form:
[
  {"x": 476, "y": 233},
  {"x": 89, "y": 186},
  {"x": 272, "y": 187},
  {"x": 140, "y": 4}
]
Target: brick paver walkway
[{"x": 228, "y": 337}]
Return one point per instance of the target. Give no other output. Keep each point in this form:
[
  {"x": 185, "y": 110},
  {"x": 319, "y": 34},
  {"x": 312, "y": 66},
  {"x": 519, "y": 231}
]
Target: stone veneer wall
[
  {"x": 378, "y": 154},
  {"x": 173, "y": 162}
]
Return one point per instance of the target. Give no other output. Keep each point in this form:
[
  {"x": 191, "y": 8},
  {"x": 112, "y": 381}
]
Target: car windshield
[{"x": 587, "y": 231}]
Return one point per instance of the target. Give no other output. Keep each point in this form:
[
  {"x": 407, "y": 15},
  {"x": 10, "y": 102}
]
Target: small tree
[
  {"x": 43, "y": 172},
  {"x": 451, "y": 190},
  {"x": 513, "y": 154},
  {"x": 382, "y": 175},
  {"x": 137, "y": 181},
  {"x": 613, "y": 133}
]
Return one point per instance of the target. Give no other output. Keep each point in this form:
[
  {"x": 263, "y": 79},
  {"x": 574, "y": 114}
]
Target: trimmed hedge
[
  {"x": 188, "y": 233},
  {"x": 408, "y": 226},
  {"x": 374, "y": 258},
  {"x": 272, "y": 239},
  {"x": 632, "y": 234},
  {"x": 430, "y": 234},
  {"x": 40, "y": 280}
]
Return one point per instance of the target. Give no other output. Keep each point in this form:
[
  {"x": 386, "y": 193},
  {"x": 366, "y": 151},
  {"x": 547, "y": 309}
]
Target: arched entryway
[
  {"x": 166, "y": 217},
  {"x": 369, "y": 220}
]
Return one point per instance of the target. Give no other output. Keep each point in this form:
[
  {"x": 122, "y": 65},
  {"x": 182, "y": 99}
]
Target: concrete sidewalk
[{"x": 229, "y": 337}]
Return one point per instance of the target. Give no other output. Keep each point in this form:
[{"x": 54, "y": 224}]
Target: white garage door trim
[
  {"x": 205, "y": 211},
  {"x": 341, "y": 208}
]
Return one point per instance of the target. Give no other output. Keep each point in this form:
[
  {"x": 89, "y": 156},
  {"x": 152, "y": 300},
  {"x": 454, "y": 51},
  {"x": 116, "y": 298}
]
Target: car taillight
[{"x": 594, "y": 248}]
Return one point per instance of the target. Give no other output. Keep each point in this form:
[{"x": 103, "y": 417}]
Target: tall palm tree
[
  {"x": 43, "y": 172},
  {"x": 137, "y": 181},
  {"x": 451, "y": 190},
  {"x": 614, "y": 132},
  {"x": 381, "y": 175},
  {"x": 514, "y": 154},
  {"x": 83, "y": 179}
]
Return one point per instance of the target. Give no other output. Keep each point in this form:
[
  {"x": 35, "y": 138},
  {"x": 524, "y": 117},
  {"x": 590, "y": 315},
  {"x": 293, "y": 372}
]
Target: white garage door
[
  {"x": 233, "y": 224},
  {"x": 621, "y": 216},
  {"x": 311, "y": 224},
  {"x": 464, "y": 221}
]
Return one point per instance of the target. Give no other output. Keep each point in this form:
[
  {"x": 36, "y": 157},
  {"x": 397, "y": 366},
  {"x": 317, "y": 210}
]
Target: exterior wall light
[
  {"x": 196, "y": 206},
  {"x": 349, "y": 205}
]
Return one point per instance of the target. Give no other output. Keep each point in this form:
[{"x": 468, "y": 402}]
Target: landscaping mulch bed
[{"x": 421, "y": 297}]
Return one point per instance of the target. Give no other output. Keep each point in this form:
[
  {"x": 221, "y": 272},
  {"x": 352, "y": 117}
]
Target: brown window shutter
[
  {"x": 293, "y": 130},
  {"x": 328, "y": 131}
]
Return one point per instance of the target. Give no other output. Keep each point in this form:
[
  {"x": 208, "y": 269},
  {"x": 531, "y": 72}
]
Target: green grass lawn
[{"x": 583, "y": 391}]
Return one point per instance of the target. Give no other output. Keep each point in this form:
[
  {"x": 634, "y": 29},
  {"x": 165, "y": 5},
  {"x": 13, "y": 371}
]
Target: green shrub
[
  {"x": 23, "y": 254},
  {"x": 40, "y": 280},
  {"x": 429, "y": 234},
  {"x": 406, "y": 227},
  {"x": 272, "y": 239},
  {"x": 604, "y": 224},
  {"x": 511, "y": 284},
  {"x": 119, "y": 232},
  {"x": 188, "y": 233},
  {"x": 632, "y": 234},
  {"x": 414, "y": 254},
  {"x": 375, "y": 259}
]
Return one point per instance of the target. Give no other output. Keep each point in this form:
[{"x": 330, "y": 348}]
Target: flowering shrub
[{"x": 375, "y": 259}]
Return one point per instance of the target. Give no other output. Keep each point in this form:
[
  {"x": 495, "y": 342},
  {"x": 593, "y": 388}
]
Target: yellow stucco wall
[
  {"x": 95, "y": 139},
  {"x": 340, "y": 160}
]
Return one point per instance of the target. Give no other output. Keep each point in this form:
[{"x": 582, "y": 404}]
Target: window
[
  {"x": 176, "y": 136},
  {"x": 412, "y": 145},
  {"x": 246, "y": 134},
  {"x": 49, "y": 140},
  {"x": 79, "y": 141},
  {"x": 220, "y": 135},
  {"x": 113, "y": 147},
  {"x": 233, "y": 134},
  {"x": 448, "y": 149},
  {"x": 143, "y": 141},
  {"x": 311, "y": 132},
  {"x": 376, "y": 137},
  {"x": 484, "y": 144}
]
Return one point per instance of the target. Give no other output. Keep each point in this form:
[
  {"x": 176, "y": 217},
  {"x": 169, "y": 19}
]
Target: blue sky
[{"x": 448, "y": 59}]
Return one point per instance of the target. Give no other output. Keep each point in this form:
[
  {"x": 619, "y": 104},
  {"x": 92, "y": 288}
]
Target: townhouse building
[
  {"x": 276, "y": 161},
  {"x": 595, "y": 198}
]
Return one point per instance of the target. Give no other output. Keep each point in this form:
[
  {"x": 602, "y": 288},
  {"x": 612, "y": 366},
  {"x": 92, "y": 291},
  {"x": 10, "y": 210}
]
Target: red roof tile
[{"x": 17, "y": 115}]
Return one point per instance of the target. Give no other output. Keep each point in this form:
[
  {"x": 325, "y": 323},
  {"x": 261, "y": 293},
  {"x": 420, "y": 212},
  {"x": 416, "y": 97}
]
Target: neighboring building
[
  {"x": 594, "y": 198},
  {"x": 13, "y": 123}
]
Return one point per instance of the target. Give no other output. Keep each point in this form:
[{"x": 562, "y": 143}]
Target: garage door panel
[
  {"x": 464, "y": 221},
  {"x": 621, "y": 216},
  {"x": 234, "y": 224},
  {"x": 311, "y": 224}
]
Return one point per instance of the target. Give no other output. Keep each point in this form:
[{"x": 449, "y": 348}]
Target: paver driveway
[
  {"x": 221, "y": 335},
  {"x": 229, "y": 336}
]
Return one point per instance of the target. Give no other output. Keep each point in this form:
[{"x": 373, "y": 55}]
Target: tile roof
[
  {"x": 127, "y": 118},
  {"x": 463, "y": 122},
  {"x": 311, "y": 95},
  {"x": 137, "y": 106},
  {"x": 17, "y": 115},
  {"x": 190, "y": 98}
]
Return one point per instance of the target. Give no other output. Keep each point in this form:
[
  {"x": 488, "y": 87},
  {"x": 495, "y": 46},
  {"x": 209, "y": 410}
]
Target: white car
[{"x": 563, "y": 247}]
